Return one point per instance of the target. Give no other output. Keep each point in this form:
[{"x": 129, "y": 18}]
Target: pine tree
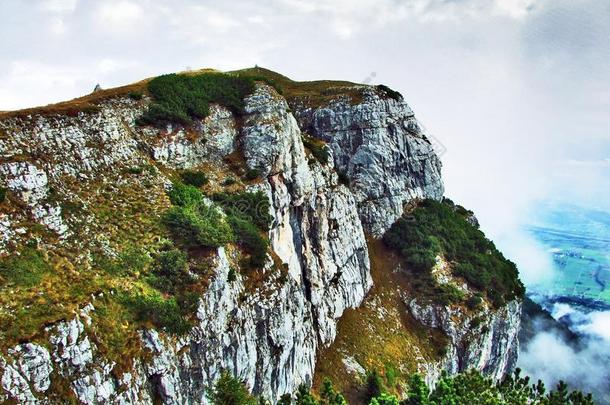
[{"x": 228, "y": 390}]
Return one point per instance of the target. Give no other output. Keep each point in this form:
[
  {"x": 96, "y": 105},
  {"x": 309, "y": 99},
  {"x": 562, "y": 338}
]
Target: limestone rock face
[
  {"x": 486, "y": 340},
  {"x": 379, "y": 145},
  {"x": 266, "y": 333},
  {"x": 211, "y": 138}
]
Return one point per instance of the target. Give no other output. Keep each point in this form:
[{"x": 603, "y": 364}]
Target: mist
[{"x": 583, "y": 364}]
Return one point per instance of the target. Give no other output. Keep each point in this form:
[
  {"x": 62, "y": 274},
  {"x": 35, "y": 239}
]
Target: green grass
[
  {"x": 183, "y": 98},
  {"x": 198, "y": 226},
  {"x": 163, "y": 313},
  {"x": 25, "y": 269},
  {"x": 312, "y": 93},
  {"x": 436, "y": 228}
]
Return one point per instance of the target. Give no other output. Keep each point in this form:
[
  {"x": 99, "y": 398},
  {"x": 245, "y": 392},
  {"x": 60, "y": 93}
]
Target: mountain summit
[{"x": 154, "y": 235}]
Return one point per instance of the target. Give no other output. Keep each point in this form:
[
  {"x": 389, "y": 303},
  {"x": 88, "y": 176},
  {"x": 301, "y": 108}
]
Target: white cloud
[
  {"x": 120, "y": 16},
  {"x": 583, "y": 366},
  {"x": 60, "y": 6},
  {"x": 57, "y": 26},
  {"x": 514, "y": 8},
  {"x": 599, "y": 325}
]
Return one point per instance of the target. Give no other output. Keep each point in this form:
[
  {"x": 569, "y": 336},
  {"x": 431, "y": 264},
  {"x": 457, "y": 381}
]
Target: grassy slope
[
  {"x": 380, "y": 335},
  {"x": 310, "y": 92}
]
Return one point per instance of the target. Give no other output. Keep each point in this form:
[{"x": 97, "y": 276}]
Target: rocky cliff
[{"x": 87, "y": 182}]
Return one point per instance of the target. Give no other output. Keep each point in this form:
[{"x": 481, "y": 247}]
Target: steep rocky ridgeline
[{"x": 86, "y": 191}]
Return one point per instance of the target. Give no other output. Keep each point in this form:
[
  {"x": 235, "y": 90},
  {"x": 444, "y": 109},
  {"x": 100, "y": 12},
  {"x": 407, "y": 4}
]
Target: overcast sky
[{"x": 518, "y": 91}]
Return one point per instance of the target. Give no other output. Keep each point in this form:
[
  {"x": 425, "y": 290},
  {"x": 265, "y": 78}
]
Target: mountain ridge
[{"x": 87, "y": 191}]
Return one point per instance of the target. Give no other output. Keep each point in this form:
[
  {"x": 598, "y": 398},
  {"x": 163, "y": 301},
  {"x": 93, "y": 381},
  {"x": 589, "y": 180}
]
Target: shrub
[
  {"x": 228, "y": 390},
  {"x": 373, "y": 385},
  {"x": 474, "y": 301},
  {"x": 253, "y": 174},
  {"x": 253, "y": 207},
  {"x": 2, "y": 194},
  {"x": 249, "y": 238},
  {"x": 435, "y": 228},
  {"x": 285, "y": 399},
  {"x": 317, "y": 148},
  {"x": 343, "y": 178},
  {"x": 171, "y": 271},
  {"x": 393, "y": 94},
  {"x": 232, "y": 276},
  {"x": 194, "y": 178},
  {"x": 473, "y": 388},
  {"x": 181, "y": 98},
  {"x": 260, "y": 78},
  {"x": 329, "y": 395},
  {"x": 153, "y": 308},
  {"x": 25, "y": 269},
  {"x": 229, "y": 181},
  {"x": 135, "y": 95},
  {"x": 384, "y": 399},
  {"x": 418, "y": 391},
  {"x": 201, "y": 226},
  {"x": 185, "y": 195},
  {"x": 304, "y": 397},
  {"x": 449, "y": 294},
  {"x": 135, "y": 170}
]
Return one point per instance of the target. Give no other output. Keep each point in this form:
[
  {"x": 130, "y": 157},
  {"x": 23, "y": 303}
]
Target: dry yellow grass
[{"x": 380, "y": 335}]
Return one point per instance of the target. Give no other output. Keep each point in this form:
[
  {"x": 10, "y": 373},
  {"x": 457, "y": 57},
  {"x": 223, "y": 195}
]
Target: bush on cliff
[
  {"x": 194, "y": 178},
  {"x": 198, "y": 226},
  {"x": 436, "y": 228},
  {"x": 164, "y": 313},
  {"x": 228, "y": 390},
  {"x": 170, "y": 271},
  {"x": 182, "y": 98},
  {"x": 193, "y": 221},
  {"x": 253, "y": 207}
]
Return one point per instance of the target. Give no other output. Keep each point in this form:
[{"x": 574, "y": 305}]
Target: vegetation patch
[
  {"x": 343, "y": 178},
  {"x": 312, "y": 93},
  {"x": 253, "y": 207},
  {"x": 194, "y": 222},
  {"x": 183, "y": 98},
  {"x": 381, "y": 335},
  {"x": 194, "y": 178},
  {"x": 437, "y": 228},
  {"x": 253, "y": 174},
  {"x": 318, "y": 148},
  {"x": 2, "y": 194},
  {"x": 171, "y": 271},
  {"x": 249, "y": 238},
  {"x": 248, "y": 215},
  {"x": 25, "y": 269},
  {"x": 393, "y": 94},
  {"x": 198, "y": 226},
  {"x": 153, "y": 308},
  {"x": 135, "y": 95},
  {"x": 463, "y": 388}
]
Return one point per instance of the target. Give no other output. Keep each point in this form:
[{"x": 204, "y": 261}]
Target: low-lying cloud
[{"x": 583, "y": 365}]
